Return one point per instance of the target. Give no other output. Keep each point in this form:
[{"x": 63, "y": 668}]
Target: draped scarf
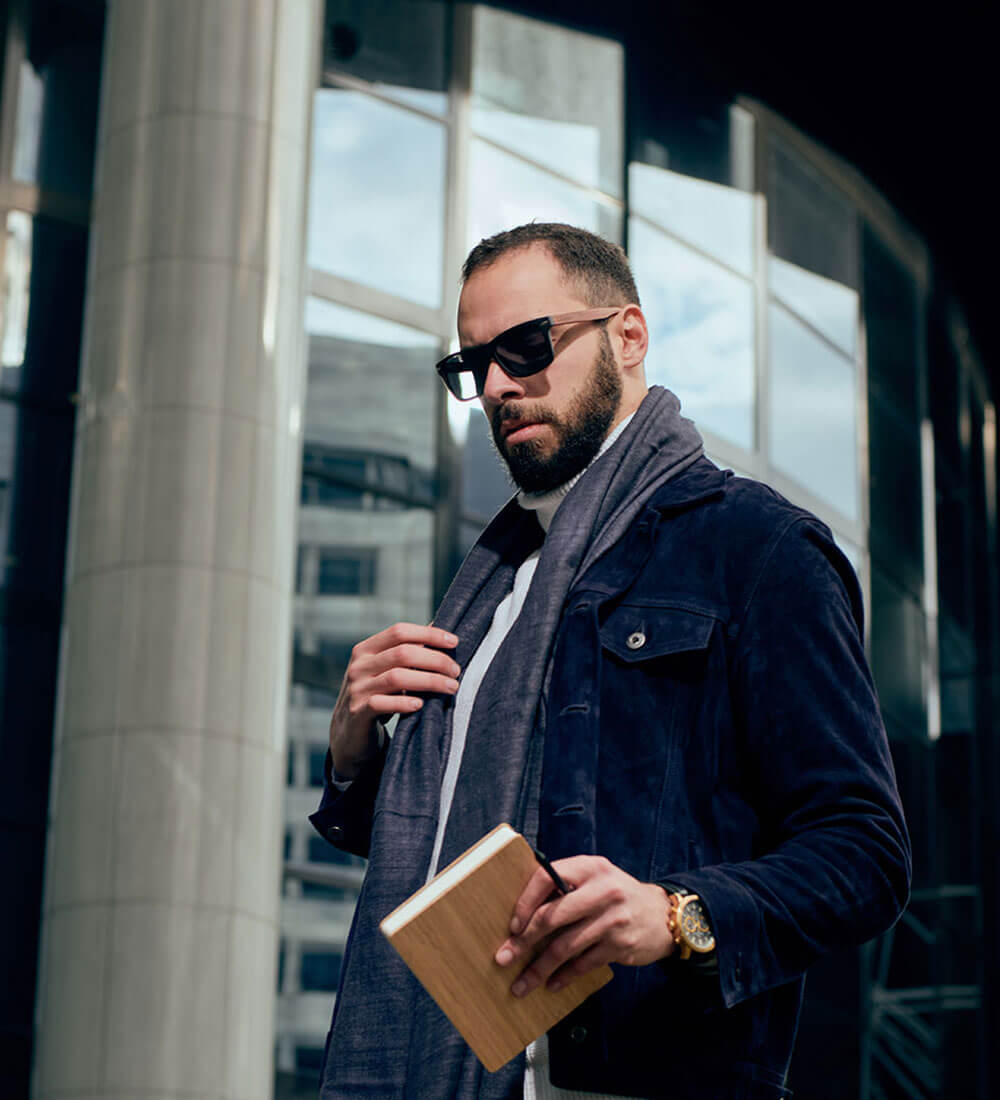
[{"x": 388, "y": 1039}]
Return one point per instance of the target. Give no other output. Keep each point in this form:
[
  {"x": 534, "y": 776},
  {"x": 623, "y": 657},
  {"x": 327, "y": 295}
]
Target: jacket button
[
  {"x": 578, "y": 1034},
  {"x": 334, "y": 834},
  {"x": 636, "y": 640}
]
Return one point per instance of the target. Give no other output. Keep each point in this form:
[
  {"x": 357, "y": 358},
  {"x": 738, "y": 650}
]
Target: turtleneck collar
[{"x": 544, "y": 505}]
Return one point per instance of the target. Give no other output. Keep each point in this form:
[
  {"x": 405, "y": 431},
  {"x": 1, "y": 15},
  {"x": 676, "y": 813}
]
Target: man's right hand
[{"x": 383, "y": 672}]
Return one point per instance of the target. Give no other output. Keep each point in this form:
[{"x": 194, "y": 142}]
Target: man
[{"x": 653, "y": 669}]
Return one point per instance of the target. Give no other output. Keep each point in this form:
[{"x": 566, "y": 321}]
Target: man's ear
[{"x": 634, "y": 337}]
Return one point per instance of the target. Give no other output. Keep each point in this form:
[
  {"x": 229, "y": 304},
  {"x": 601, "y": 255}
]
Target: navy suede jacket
[{"x": 712, "y": 666}]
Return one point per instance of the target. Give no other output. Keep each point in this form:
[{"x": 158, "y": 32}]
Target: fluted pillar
[{"x": 162, "y": 885}]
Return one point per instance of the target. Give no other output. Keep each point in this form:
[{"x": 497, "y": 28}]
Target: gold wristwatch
[{"x": 688, "y": 922}]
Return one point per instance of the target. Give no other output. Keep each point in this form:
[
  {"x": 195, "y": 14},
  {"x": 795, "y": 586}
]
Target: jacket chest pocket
[
  {"x": 655, "y": 666},
  {"x": 656, "y": 675},
  {"x": 636, "y": 634}
]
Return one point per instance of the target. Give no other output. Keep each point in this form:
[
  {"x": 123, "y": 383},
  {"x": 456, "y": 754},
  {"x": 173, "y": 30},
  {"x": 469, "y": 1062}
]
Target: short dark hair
[{"x": 597, "y": 266}]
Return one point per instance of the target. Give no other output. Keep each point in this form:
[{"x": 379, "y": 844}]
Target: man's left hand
[{"x": 608, "y": 916}]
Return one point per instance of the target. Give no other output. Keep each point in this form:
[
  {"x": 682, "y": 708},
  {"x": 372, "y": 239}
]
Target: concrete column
[{"x": 162, "y": 887}]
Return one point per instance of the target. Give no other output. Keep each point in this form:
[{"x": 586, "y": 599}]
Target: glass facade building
[{"x": 796, "y": 314}]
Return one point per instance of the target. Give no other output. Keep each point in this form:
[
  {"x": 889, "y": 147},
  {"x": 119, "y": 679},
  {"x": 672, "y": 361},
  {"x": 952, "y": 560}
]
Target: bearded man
[{"x": 651, "y": 668}]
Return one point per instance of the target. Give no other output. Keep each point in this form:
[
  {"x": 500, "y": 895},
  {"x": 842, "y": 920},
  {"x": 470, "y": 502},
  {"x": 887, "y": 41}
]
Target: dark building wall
[{"x": 62, "y": 47}]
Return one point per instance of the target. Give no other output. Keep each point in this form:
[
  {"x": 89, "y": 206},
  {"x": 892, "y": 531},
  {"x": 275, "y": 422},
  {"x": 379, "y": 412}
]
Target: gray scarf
[{"x": 389, "y": 1040}]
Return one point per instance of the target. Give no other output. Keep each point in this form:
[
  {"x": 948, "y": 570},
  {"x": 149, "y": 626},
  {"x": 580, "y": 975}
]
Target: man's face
[{"x": 549, "y": 426}]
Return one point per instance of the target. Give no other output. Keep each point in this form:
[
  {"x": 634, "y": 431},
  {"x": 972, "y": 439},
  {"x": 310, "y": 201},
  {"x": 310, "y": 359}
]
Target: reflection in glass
[
  {"x": 368, "y": 461},
  {"x": 486, "y": 486},
  {"x": 398, "y": 45},
  {"x": 809, "y": 223},
  {"x": 8, "y": 455},
  {"x": 893, "y": 329},
  {"x": 717, "y": 219},
  {"x": 28, "y": 129},
  {"x": 16, "y": 290},
  {"x": 54, "y": 132},
  {"x": 376, "y": 201},
  {"x": 372, "y": 385},
  {"x": 553, "y": 94},
  {"x": 830, "y": 307},
  {"x": 507, "y": 192},
  {"x": 813, "y": 413},
  {"x": 701, "y": 332},
  {"x": 898, "y": 654}
]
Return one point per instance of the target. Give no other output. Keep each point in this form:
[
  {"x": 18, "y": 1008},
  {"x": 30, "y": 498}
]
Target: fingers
[
  {"x": 574, "y": 871},
  {"x": 397, "y": 681},
  {"x": 383, "y": 673},
  {"x": 411, "y": 655},
  {"x": 401, "y": 633},
  {"x": 609, "y": 917},
  {"x": 387, "y": 667}
]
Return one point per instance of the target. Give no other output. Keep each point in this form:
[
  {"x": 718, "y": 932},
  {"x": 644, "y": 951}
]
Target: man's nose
[{"x": 499, "y": 386}]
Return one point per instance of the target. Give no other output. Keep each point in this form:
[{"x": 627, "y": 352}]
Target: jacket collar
[{"x": 701, "y": 481}]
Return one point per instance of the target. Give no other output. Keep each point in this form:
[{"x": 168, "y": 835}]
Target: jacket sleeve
[
  {"x": 834, "y": 868},
  {"x": 344, "y": 817}
]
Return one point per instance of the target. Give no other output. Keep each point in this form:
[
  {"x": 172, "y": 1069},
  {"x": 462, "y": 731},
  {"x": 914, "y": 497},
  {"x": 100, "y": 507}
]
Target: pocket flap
[{"x": 639, "y": 632}]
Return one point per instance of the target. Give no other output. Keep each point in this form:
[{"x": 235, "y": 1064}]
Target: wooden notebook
[{"x": 448, "y": 933}]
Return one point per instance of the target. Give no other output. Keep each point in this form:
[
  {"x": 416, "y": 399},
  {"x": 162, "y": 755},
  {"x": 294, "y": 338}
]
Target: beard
[{"x": 579, "y": 431}]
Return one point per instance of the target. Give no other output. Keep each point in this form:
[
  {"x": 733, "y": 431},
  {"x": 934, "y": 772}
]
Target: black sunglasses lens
[
  {"x": 465, "y": 373},
  {"x": 524, "y": 350}
]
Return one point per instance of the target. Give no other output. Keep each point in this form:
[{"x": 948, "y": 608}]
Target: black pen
[{"x": 560, "y": 884}]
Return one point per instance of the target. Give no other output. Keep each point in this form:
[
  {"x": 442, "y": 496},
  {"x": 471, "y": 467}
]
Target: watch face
[{"x": 695, "y": 928}]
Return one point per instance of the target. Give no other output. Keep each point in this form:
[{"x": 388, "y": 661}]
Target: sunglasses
[{"x": 521, "y": 351}]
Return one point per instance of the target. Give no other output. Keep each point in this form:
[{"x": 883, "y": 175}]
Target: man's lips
[{"x": 514, "y": 431}]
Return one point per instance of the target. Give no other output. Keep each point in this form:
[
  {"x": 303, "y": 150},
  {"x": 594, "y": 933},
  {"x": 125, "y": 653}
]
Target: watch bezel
[{"x": 688, "y": 907}]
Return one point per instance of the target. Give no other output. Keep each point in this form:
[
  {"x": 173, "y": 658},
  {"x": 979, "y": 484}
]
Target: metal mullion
[
  {"x": 696, "y": 249},
  {"x": 593, "y": 193},
  {"x": 807, "y": 324},
  {"x": 447, "y": 502},
  {"x": 366, "y": 299},
  {"x": 932, "y": 688},
  {"x": 13, "y": 56},
  {"x": 330, "y": 79},
  {"x": 762, "y": 336},
  {"x": 863, "y": 441}
]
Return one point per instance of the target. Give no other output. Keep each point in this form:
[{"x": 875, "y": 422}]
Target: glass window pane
[
  {"x": 829, "y": 306},
  {"x": 892, "y": 327},
  {"x": 899, "y": 653},
  {"x": 28, "y": 128},
  {"x": 368, "y": 476},
  {"x": 813, "y": 413},
  {"x": 399, "y": 45},
  {"x": 809, "y": 223},
  {"x": 701, "y": 332},
  {"x": 376, "y": 197},
  {"x": 813, "y": 239},
  {"x": 507, "y": 192},
  {"x": 16, "y": 297},
  {"x": 896, "y": 499},
  {"x": 58, "y": 87},
  {"x": 320, "y": 970},
  {"x": 556, "y": 95},
  {"x": 716, "y": 219},
  {"x": 485, "y": 484}
]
